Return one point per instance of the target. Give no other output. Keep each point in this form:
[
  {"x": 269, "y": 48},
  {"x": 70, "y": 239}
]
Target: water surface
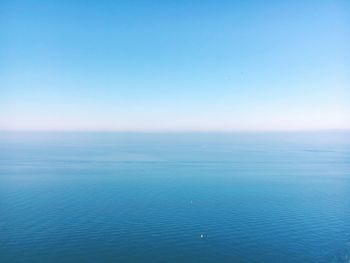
[{"x": 195, "y": 197}]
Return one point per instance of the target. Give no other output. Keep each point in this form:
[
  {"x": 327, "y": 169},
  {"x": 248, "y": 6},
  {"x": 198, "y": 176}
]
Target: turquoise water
[{"x": 118, "y": 197}]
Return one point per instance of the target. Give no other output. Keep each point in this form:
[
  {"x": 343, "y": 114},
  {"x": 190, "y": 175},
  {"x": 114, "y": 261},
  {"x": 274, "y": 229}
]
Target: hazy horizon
[{"x": 183, "y": 131}]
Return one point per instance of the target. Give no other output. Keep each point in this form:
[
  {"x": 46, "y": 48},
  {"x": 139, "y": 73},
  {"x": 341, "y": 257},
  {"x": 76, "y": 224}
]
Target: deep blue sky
[{"x": 174, "y": 65}]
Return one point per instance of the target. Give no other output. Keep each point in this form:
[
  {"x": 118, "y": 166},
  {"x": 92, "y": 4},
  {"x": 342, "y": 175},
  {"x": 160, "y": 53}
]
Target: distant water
[{"x": 114, "y": 197}]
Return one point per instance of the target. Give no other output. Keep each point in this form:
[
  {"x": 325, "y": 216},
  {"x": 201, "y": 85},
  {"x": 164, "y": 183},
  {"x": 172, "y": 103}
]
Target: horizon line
[{"x": 177, "y": 131}]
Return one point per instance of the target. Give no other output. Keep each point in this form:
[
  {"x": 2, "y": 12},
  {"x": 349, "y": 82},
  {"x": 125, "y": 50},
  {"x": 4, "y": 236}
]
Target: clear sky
[{"x": 174, "y": 65}]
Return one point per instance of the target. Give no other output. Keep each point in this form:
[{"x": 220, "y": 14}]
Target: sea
[{"x": 175, "y": 197}]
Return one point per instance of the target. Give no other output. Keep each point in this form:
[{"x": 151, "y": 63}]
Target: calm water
[{"x": 104, "y": 197}]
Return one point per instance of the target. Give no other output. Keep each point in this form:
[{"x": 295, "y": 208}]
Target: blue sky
[{"x": 174, "y": 65}]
